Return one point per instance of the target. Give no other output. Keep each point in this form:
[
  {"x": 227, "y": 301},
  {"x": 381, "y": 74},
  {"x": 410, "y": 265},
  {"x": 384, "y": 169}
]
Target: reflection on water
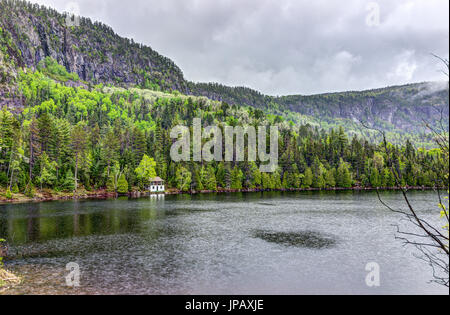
[
  {"x": 260, "y": 243},
  {"x": 40, "y": 222},
  {"x": 307, "y": 239}
]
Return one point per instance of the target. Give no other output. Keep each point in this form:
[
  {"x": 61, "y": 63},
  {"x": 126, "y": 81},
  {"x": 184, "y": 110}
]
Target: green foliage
[
  {"x": 334, "y": 110},
  {"x": 111, "y": 183},
  {"x": 343, "y": 175},
  {"x": 183, "y": 178},
  {"x": 68, "y": 184},
  {"x": 30, "y": 190},
  {"x": 220, "y": 175},
  {"x": 2, "y": 241},
  {"x": 236, "y": 178},
  {"x": 210, "y": 179},
  {"x": 47, "y": 177},
  {"x": 308, "y": 178},
  {"x": 146, "y": 170},
  {"x": 15, "y": 189},
  {"x": 330, "y": 180},
  {"x": 97, "y": 136},
  {"x": 122, "y": 185},
  {"x": 51, "y": 68},
  {"x": 8, "y": 194}
]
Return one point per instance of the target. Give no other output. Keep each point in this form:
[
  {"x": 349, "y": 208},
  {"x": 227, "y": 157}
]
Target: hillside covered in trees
[
  {"x": 83, "y": 109},
  {"x": 94, "y": 136},
  {"x": 97, "y": 55}
]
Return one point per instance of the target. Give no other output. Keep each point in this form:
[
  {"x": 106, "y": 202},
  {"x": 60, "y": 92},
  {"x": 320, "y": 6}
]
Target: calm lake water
[{"x": 256, "y": 243}]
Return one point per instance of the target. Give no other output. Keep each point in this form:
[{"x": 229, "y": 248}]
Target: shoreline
[{"x": 103, "y": 194}]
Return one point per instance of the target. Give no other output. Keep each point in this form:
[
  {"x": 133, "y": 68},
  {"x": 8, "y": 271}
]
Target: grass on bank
[{"x": 7, "y": 279}]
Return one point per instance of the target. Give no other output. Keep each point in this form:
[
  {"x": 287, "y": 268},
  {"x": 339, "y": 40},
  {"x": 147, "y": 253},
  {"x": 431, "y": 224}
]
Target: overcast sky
[{"x": 286, "y": 46}]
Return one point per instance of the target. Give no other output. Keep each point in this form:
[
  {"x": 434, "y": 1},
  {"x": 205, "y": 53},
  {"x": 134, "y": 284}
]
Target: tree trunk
[
  {"x": 31, "y": 155},
  {"x": 11, "y": 181},
  {"x": 76, "y": 173}
]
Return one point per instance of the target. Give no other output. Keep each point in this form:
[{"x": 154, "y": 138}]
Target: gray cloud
[{"x": 287, "y": 46}]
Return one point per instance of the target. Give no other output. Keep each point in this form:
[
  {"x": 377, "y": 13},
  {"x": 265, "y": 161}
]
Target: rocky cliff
[
  {"x": 392, "y": 108},
  {"x": 404, "y": 107},
  {"x": 29, "y": 33},
  {"x": 92, "y": 49}
]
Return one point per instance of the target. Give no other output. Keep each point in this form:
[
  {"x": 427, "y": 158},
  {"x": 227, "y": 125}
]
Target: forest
[
  {"x": 95, "y": 53},
  {"x": 75, "y": 136}
]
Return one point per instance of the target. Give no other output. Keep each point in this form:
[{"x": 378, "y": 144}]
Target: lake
[{"x": 243, "y": 243}]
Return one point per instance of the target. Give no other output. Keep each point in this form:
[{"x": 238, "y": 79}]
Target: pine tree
[
  {"x": 111, "y": 183},
  {"x": 79, "y": 142},
  {"x": 68, "y": 183},
  {"x": 15, "y": 189},
  {"x": 276, "y": 180},
  {"x": 375, "y": 178},
  {"x": 47, "y": 177},
  {"x": 308, "y": 179},
  {"x": 100, "y": 136},
  {"x": 267, "y": 181},
  {"x": 8, "y": 194},
  {"x": 183, "y": 178},
  {"x": 110, "y": 146},
  {"x": 343, "y": 176},
  {"x": 197, "y": 183},
  {"x": 220, "y": 175},
  {"x": 122, "y": 185},
  {"x": 329, "y": 178},
  {"x": 210, "y": 181},
  {"x": 236, "y": 178},
  {"x": 227, "y": 176}
]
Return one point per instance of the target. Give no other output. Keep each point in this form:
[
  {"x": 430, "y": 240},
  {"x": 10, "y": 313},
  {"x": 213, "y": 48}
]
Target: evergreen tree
[
  {"x": 375, "y": 178},
  {"x": 220, "y": 175},
  {"x": 329, "y": 178},
  {"x": 111, "y": 183},
  {"x": 93, "y": 137},
  {"x": 276, "y": 180},
  {"x": 236, "y": 178},
  {"x": 308, "y": 179},
  {"x": 183, "y": 178},
  {"x": 68, "y": 183},
  {"x": 122, "y": 185},
  {"x": 343, "y": 176},
  {"x": 210, "y": 180},
  {"x": 79, "y": 142}
]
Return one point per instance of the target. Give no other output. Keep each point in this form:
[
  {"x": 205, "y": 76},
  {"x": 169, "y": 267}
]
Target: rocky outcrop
[
  {"x": 92, "y": 50},
  {"x": 395, "y": 108},
  {"x": 405, "y": 108},
  {"x": 98, "y": 55}
]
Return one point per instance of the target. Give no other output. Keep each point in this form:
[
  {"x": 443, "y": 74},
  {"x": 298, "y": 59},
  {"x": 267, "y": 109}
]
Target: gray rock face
[
  {"x": 394, "y": 108},
  {"x": 92, "y": 50},
  {"x": 405, "y": 108},
  {"x": 97, "y": 54}
]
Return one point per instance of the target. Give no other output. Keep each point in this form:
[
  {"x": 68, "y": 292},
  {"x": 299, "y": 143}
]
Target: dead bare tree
[{"x": 430, "y": 238}]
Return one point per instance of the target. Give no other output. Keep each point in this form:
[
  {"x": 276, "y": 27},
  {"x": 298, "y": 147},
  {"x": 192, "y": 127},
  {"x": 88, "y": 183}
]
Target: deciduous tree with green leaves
[{"x": 146, "y": 170}]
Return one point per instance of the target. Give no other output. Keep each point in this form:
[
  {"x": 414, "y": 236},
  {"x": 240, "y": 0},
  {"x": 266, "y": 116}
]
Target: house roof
[{"x": 156, "y": 179}]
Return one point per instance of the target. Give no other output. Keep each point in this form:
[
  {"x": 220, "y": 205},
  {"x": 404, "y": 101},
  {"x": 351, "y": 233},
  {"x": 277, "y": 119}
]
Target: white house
[{"x": 157, "y": 185}]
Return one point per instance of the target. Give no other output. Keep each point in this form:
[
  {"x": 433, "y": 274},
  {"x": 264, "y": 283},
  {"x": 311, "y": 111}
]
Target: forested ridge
[
  {"x": 400, "y": 111},
  {"x": 89, "y": 137},
  {"x": 96, "y": 54},
  {"x": 65, "y": 130}
]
